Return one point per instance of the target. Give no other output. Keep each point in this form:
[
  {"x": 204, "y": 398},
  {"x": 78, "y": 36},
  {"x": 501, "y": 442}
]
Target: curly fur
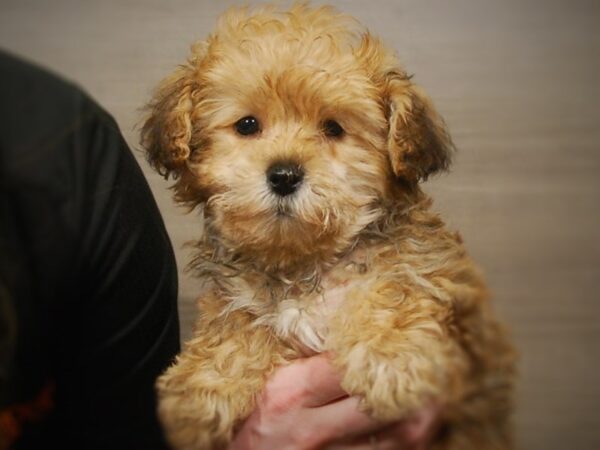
[{"x": 354, "y": 262}]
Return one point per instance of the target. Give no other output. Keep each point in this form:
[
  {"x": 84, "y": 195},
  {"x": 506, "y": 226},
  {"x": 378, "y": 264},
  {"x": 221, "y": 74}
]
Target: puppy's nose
[{"x": 284, "y": 178}]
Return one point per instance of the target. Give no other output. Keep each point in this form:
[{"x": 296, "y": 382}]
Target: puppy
[{"x": 304, "y": 142}]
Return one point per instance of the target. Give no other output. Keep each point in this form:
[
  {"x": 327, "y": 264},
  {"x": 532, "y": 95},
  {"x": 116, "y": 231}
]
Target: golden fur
[{"x": 353, "y": 263}]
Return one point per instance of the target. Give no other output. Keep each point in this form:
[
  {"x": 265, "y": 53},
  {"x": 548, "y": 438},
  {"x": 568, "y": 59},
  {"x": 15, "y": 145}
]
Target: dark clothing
[{"x": 87, "y": 268}]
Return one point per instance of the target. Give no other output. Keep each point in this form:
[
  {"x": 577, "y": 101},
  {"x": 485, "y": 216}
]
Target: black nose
[{"x": 284, "y": 178}]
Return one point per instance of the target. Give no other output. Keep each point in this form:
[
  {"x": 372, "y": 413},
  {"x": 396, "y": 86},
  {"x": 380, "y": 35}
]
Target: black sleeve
[{"x": 88, "y": 267}]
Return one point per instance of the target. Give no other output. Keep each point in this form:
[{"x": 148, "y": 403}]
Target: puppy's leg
[
  {"x": 394, "y": 347},
  {"x": 403, "y": 345},
  {"x": 214, "y": 381}
]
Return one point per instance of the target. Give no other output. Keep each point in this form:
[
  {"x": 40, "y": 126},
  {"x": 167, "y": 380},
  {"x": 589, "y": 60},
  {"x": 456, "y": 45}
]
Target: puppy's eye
[
  {"x": 247, "y": 125},
  {"x": 332, "y": 129}
]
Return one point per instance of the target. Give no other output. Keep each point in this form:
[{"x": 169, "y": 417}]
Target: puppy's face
[{"x": 292, "y": 129}]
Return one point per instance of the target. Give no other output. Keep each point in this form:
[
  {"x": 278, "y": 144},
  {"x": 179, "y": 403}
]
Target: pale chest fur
[{"x": 302, "y": 319}]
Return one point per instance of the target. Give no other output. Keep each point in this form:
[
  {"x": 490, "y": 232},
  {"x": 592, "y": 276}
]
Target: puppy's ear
[
  {"x": 418, "y": 142},
  {"x": 168, "y": 131}
]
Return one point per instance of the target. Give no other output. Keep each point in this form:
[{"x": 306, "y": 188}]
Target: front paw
[{"x": 392, "y": 386}]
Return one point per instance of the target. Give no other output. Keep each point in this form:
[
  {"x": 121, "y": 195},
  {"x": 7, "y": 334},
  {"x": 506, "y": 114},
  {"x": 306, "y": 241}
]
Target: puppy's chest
[{"x": 302, "y": 320}]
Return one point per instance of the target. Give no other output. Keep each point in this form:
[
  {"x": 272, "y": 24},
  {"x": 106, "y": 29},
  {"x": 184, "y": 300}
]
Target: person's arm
[
  {"x": 87, "y": 262},
  {"x": 125, "y": 298}
]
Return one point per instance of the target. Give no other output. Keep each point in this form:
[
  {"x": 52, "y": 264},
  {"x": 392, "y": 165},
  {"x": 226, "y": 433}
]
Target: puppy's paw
[{"x": 392, "y": 386}]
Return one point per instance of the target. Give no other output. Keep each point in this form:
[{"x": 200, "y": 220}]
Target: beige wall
[{"x": 518, "y": 85}]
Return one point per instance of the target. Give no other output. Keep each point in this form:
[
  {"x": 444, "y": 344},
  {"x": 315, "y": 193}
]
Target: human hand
[{"x": 303, "y": 407}]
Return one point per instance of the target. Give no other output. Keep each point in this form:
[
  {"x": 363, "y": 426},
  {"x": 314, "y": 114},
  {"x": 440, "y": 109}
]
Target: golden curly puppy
[{"x": 304, "y": 142}]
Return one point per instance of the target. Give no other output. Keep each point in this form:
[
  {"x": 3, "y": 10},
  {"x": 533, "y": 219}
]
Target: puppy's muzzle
[{"x": 284, "y": 178}]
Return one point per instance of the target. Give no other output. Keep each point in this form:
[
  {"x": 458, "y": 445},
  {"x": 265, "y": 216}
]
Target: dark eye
[
  {"x": 247, "y": 125},
  {"x": 332, "y": 129}
]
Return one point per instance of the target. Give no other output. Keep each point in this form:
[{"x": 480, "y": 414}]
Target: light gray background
[{"x": 518, "y": 83}]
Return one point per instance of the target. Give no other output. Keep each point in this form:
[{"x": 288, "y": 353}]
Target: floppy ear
[
  {"x": 168, "y": 133},
  {"x": 418, "y": 142}
]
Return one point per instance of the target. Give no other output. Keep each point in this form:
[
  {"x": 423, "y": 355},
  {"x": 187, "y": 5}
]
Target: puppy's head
[{"x": 293, "y": 129}]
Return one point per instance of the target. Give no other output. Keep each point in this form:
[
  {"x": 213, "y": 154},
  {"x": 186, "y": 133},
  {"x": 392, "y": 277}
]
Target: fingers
[
  {"x": 322, "y": 382},
  {"x": 309, "y": 382},
  {"x": 421, "y": 427},
  {"x": 304, "y": 404},
  {"x": 341, "y": 420},
  {"x": 412, "y": 433},
  {"x": 305, "y": 399}
]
